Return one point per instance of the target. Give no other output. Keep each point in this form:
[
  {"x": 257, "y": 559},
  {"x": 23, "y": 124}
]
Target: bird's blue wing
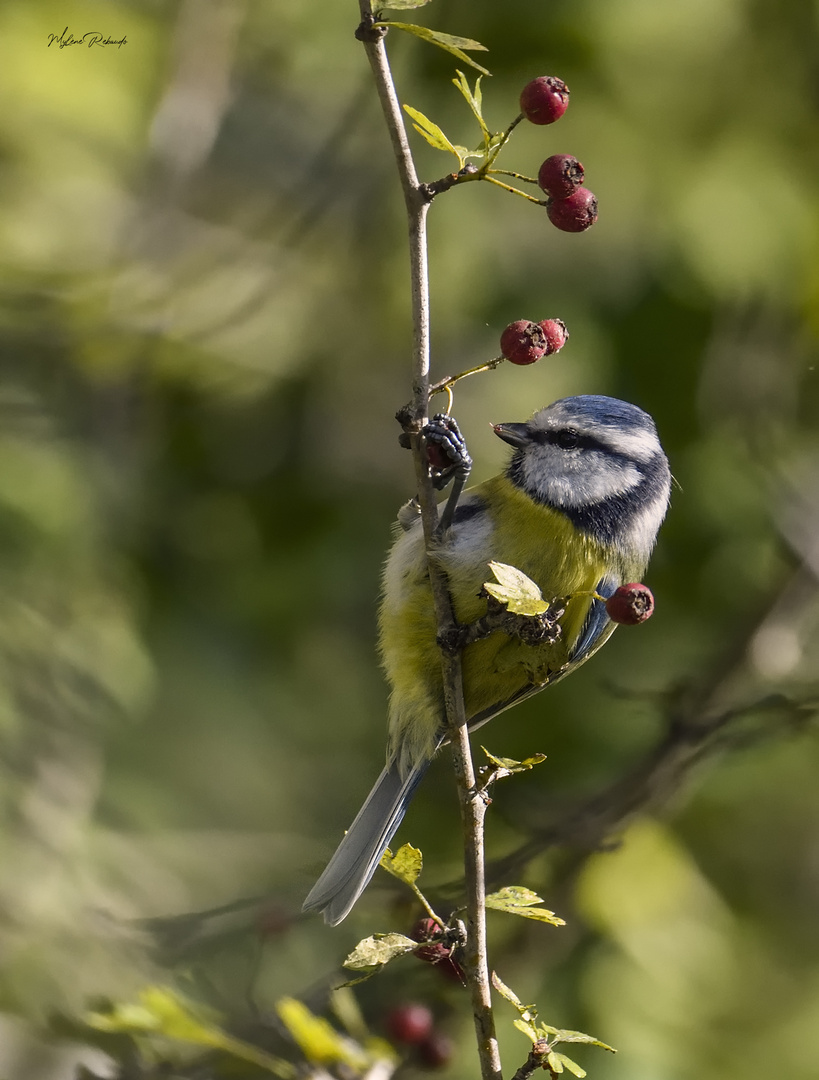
[{"x": 596, "y": 621}]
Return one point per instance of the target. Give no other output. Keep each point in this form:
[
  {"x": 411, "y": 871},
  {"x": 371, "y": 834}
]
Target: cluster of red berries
[
  {"x": 523, "y": 341},
  {"x": 413, "y": 1025},
  {"x": 570, "y": 206}
]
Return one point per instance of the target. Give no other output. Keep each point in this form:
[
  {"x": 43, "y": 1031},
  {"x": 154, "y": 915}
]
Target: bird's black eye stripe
[{"x": 567, "y": 438}]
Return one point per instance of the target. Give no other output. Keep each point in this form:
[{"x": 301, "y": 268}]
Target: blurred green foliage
[{"x": 203, "y": 339}]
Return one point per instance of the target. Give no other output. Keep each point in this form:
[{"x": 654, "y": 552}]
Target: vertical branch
[{"x": 473, "y": 806}]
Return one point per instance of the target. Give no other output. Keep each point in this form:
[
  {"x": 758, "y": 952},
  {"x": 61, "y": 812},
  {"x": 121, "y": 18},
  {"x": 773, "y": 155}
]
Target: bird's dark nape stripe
[{"x": 605, "y": 520}]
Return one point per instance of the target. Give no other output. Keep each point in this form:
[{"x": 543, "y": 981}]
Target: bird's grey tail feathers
[{"x": 358, "y": 854}]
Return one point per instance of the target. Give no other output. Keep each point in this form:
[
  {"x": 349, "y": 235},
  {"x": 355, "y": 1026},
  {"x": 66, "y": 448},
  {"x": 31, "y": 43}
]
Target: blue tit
[{"x": 577, "y": 509}]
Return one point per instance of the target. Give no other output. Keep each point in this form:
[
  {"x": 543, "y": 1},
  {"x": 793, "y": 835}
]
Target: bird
[{"x": 577, "y": 509}]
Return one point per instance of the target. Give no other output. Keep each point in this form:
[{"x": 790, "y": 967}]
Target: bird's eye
[{"x": 567, "y": 439}]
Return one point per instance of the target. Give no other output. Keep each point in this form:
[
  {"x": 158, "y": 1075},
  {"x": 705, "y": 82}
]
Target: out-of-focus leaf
[
  {"x": 317, "y": 1039},
  {"x": 450, "y": 42},
  {"x": 518, "y": 900},
  {"x": 162, "y": 1012},
  {"x": 378, "y": 950},
  {"x": 404, "y": 5},
  {"x": 406, "y": 864},
  {"x": 520, "y": 594}
]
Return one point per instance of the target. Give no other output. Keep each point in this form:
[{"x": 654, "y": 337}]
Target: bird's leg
[{"x": 449, "y": 462}]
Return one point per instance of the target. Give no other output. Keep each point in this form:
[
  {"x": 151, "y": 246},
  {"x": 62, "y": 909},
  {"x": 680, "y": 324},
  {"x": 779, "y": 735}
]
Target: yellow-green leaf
[
  {"x": 405, "y": 5},
  {"x": 511, "y": 764},
  {"x": 559, "y": 1035},
  {"x": 474, "y": 100},
  {"x": 162, "y": 1012},
  {"x": 449, "y": 42},
  {"x": 317, "y": 1039},
  {"x": 526, "y": 1028},
  {"x": 527, "y": 1012},
  {"x": 406, "y": 864},
  {"x": 378, "y": 950},
  {"x": 520, "y": 594},
  {"x": 433, "y": 134},
  {"x": 555, "y": 1064},
  {"x": 572, "y": 1066},
  {"x": 518, "y": 900}
]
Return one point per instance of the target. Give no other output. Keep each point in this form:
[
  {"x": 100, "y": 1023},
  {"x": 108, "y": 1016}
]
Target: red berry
[
  {"x": 426, "y": 930},
  {"x": 576, "y": 213},
  {"x": 437, "y": 458},
  {"x": 630, "y": 604},
  {"x": 523, "y": 342},
  {"x": 556, "y": 335},
  {"x": 544, "y": 100},
  {"x": 560, "y": 175},
  {"x": 436, "y": 1051},
  {"x": 410, "y": 1023}
]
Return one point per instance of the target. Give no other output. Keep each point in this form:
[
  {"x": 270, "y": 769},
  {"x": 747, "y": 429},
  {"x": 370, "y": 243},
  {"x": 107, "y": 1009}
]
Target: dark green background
[{"x": 204, "y": 335}]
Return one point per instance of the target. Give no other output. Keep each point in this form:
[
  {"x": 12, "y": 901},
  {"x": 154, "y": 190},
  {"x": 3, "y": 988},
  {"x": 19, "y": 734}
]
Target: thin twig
[
  {"x": 473, "y": 806},
  {"x": 535, "y": 1061}
]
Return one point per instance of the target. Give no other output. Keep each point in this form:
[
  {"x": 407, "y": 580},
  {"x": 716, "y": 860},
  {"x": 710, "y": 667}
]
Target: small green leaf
[
  {"x": 518, "y": 900},
  {"x": 527, "y": 1029},
  {"x": 433, "y": 134},
  {"x": 449, "y": 42},
  {"x": 378, "y": 950},
  {"x": 559, "y": 1035},
  {"x": 405, "y": 5},
  {"x": 474, "y": 101},
  {"x": 555, "y": 1064},
  {"x": 406, "y": 864},
  {"x": 527, "y": 1012},
  {"x": 572, "y": 1066},
  {"x": 520, "y": 594},
  {"x": 515, "y": 766}
]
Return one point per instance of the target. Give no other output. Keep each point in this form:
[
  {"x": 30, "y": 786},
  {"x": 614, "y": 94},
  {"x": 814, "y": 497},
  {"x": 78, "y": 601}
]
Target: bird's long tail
[{"x": 356, "y": 857}]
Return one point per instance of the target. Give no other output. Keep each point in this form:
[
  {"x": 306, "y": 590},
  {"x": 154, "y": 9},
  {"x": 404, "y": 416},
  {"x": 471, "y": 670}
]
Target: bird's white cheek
[{"x": 573, "y": 481}]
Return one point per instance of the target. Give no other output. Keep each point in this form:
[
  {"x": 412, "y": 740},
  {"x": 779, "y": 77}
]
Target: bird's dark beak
[{"x": 514, "y": 434}]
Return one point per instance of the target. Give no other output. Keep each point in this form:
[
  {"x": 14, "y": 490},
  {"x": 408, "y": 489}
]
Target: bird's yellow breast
[{"x": 507, "y": 527}]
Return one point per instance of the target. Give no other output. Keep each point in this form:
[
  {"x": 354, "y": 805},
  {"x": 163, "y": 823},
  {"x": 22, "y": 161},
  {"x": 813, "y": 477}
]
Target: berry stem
[
  {"x": 425, "y": 904},
  {"x": 516, "y": 175},
  {"x": 501, "y": 143},
  {"x": 508, "y": 187},
  {"x": 450, "y": 380}
]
